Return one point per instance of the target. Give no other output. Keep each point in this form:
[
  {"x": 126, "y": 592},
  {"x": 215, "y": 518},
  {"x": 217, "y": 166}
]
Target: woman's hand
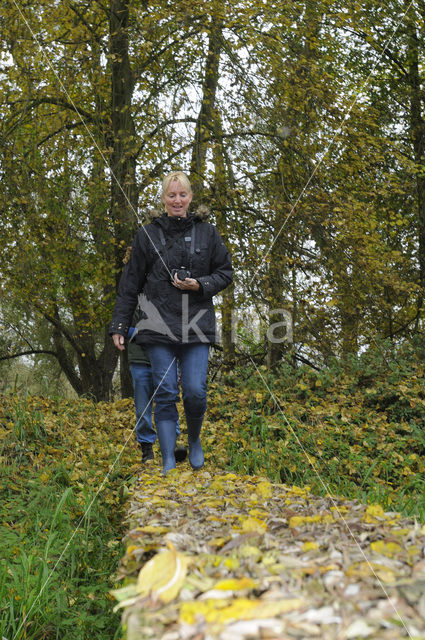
[
  {"x": 188, "y": 284},
  {"x": 118, "y": 341}
]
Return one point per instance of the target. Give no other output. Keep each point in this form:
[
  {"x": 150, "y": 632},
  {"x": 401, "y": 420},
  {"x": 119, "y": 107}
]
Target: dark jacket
[
  {"x": 172, "y": 315},
  {"x": 136, "y": 352}
]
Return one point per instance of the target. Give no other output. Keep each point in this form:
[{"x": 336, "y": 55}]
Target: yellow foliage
[
  {"x": 131, "y": 548},
  {"x": 300, "y": 491},
  {"x": 366, "y": 569},
  {"x": 235, "y": 584},
  {"x": 264, "y": 488},
  {"x": 212, "y": 503},
  {"x": 399, "y": 533},
  {"x": 154, "y": 529},
  {"x": 231, "y": 563},
  {"x": 218, "y": 542},
  {"x": 222, "y": 611},
  {"x": 340, "y": 509},
  {"x": 249, "y": 551},
  {"x": 385, "y": 548},
  {"x": 299, "y": 521},
  {"x": 373, "y": 512},
  {"x": 258, "y": 513},
  {"x": 413, "y": 550},
  {"x": 163, "y": 575},
  {"x": 253, "y": 525},
  {"x": 215, "y": 519}
]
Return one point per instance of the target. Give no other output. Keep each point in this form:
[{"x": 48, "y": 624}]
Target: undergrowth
[
  {"x": 355, "y": 429},
  {"x": 61, "y": 517}
]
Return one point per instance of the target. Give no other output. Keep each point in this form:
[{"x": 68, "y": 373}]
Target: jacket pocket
[{"x": 201, "y": 261}]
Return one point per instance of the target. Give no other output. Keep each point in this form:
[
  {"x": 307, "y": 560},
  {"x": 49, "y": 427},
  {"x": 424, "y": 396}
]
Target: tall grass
[{"x": 58, "y": 546}]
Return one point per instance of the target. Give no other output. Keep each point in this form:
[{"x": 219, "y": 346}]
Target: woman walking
[{"x": 177, "y": 264}]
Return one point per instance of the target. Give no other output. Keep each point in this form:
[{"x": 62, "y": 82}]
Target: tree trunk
[
  {"x": 222, "y": 206},
  {"x": 66, "y": 363},
  {"x": 417, "y": 130},
  {"x": 206, "y": 112},
  {"x": 124, "y": 192}
]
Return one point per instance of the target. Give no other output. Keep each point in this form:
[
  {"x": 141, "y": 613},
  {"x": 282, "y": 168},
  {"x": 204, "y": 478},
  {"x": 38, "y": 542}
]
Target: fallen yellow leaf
[
  {"x": 221, "y": 611},
  {"x": 258, "y": 513},
  {"x": 372, "y": 512},
  {"x": 385, "y": 548},
  {"x": 254, "y": 524},
  {"x": 131, "y": 548},
  {"x": 235, "y": 584},
  {"x": 249, "y": 551},
  {"x": 231, "y": 563},
  {"x": 299, "y": 521},
  {"x": 218, "y": 542},
  {"x": 163, "y": 575},
  {"x": 150, "y": 528},
  {"x": 366, "y": 569}
]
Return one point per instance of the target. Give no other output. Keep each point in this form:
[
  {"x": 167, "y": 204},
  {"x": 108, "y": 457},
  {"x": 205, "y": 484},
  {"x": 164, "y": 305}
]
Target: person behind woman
[
  {"x": 141, "y": 375},
  {"x": 178, "y": 263}
]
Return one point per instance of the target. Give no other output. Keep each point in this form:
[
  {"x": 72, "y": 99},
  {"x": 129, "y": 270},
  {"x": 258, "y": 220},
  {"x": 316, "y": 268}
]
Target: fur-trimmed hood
[{"x": 202, "y": 212}]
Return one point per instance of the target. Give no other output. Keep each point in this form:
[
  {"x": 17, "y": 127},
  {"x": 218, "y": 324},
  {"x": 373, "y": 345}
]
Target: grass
[{"x": 59, "y": 542}]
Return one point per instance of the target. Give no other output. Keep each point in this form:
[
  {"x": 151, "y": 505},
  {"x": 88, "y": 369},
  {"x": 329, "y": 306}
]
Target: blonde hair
[{"x": 175, "y": 176}]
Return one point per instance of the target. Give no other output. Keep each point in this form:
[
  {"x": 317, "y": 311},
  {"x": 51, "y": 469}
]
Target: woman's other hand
[{"x": 118, "y": 341}]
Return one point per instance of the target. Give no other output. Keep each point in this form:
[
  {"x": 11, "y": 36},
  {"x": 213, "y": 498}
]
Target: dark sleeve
[
  {"x": 131, "y": 284},
  {"x": 221, "y": 268}
]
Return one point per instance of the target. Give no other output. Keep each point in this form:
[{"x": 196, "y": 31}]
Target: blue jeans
[
  {"x": 143, "y": 392},
  {"x": 193, "y": 360}
]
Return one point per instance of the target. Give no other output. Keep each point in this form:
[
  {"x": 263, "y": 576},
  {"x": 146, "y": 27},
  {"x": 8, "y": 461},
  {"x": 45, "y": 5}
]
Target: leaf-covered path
[{"x": 245, "y": 558}]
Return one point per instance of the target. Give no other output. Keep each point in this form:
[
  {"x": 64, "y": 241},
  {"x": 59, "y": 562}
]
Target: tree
[
  {"x": 72, "y": 129},
  {"x": 315, "y": 187}
]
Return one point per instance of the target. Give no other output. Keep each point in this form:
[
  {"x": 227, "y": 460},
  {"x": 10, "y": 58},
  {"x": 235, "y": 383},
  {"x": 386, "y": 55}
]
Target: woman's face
[{"x": 177, "y": 200}]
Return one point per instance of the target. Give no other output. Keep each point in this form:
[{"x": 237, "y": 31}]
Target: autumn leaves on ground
[{"x": 270, "y": 552}]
